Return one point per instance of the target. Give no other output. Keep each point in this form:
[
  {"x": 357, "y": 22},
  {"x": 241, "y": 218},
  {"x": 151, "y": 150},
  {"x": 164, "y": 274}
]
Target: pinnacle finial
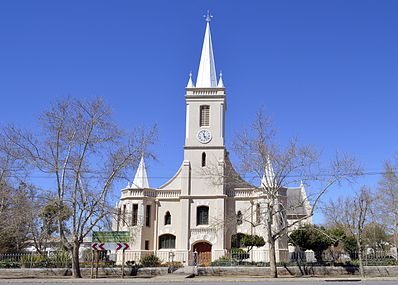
[
  {"x": 220, "y": 81},
  {"x": 141, "y": 177},
  {"x": 190, "y": 83},
  {"x": 208, "y": 16}
]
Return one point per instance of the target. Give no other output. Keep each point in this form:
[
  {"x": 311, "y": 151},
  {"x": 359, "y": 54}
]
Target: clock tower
[{"x": 205, "y": 115}]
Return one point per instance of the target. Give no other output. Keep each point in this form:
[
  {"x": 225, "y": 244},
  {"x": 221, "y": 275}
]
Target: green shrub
[
  {"x": 239, "y": 254},
  {"x": 175, "y": 264},
  {"x": 28, "y": 261},
  {"x": 57, "y": 260},
  {"x": 9, "y": 264},
  {"x": 224, "y": 261},
  {"x": 150, "y": 261},
  {"x": 61, "y": 259}
]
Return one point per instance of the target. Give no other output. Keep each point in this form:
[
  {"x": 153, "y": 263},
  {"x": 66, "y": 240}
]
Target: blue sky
[{"x": 326, "y": 71}]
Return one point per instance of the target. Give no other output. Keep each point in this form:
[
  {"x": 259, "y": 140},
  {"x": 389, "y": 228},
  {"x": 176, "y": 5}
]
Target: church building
[{"x": 193, "y": 211}]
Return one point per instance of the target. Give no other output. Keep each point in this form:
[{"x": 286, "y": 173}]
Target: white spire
[
  {"x": 190, "y": 83},
  {"x": 268, "y": 176},
  {"x": 141, "y": 177},
  {"x": 220, "y": 82},
  {"x": 207, "y": 67}
]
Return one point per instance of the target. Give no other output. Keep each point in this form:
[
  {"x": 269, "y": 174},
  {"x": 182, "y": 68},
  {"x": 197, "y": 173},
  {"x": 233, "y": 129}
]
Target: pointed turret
[
  {"x": 190, "y": 83},
  {"x": 220, "y": 82},
  {"x": 141, "y": 177},
  {"x": 268, "y": 176},
  {"x": 207, "y": 67}
]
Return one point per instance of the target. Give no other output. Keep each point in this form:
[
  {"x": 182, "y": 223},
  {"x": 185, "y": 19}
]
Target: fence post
[
  {"x": 123, "y": 258},
  {"x": 96, "y": 269},
  {"x": 92, "y": 264}
]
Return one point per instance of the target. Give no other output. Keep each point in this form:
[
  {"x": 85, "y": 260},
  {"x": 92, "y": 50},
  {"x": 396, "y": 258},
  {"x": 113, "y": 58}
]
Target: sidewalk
[{"x": 173, "y": 278}]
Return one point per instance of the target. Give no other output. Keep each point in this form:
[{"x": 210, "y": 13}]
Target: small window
[
  {"x": 148, "y": 216},
  {"x": 203, "y": 159},
  {"x": 239, "y": 218},
  {"x": 134, "y": 215},
  {"x": 202, "y": 217},
  {"x": 167, "y": 241},
  {"x": 204, "y": 116},
  {"x": 167, "y": 218},
  {"x": 146, "y": 245},
  {"x": 124, "y": 215}
]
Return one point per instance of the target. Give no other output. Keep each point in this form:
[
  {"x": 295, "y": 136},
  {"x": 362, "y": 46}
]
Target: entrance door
[{"x": 204, "y": 252}]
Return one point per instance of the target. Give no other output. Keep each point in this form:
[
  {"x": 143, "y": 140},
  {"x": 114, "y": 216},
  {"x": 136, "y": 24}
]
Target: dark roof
[{"x": 295, "y": 202}]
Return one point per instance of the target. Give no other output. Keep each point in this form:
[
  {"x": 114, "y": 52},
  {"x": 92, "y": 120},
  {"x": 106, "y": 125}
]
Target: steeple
[
  {"x": 207, "y": 67},
  {"x": 141, "y": 177},
  {"x": 268, "y": 176}
]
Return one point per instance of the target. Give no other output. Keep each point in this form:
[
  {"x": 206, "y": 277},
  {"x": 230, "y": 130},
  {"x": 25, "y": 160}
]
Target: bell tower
[{"x": 205, "y": 119}]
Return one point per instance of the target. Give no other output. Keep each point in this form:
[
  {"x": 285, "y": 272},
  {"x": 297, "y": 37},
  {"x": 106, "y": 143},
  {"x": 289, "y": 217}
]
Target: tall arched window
[
  {"x": 204, "y": 116},
  {"x": 203, "y": 159},
  {"x": 202, "y": 215},
  {"x": 167, "y": 218},
  {"x": 258, "y": 213},
  {"x": 239, "y": 218},
  {"x": 167, "y": 241}
]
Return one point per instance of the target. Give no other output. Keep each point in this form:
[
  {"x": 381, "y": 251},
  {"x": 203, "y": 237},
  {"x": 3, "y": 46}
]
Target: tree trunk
[
  {"x": 318, "y": 256},
  {"x": 360, "y": 258},
  {"x": 272, "y": 258},
  {"x": 271, "y": 244},
  {"x": 75, "y": 260}
]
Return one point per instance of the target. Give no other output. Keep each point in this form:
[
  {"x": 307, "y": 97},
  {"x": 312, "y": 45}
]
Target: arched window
[
  {"x": 239, "y": 218},
  {"x": 203, "y": 159},
  {"x": 258, "y": 213},
  {"x": 204, "y": 116},
  {"x": 167, "y": 218},
  {"x": 167, "y": 241},
  {"x": 202, "y": 215}
]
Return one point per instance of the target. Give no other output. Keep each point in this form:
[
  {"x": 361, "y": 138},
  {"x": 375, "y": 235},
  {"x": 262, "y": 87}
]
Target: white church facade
[{"x": 193, "y": 211}]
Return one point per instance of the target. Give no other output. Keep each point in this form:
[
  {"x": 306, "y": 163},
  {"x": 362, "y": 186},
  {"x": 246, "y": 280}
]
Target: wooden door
[{"x": 204, "y": 252}]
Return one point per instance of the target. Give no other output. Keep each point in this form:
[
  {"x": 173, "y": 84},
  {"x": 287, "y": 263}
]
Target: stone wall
[
  {"x": 371, "y": 271},
  {"x": 327, "y": 271},
  {"x": 86, "y": 272}
]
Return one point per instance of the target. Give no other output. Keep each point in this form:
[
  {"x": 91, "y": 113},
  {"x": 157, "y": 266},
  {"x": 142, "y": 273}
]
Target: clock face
[{"x": 204, "y": 136}]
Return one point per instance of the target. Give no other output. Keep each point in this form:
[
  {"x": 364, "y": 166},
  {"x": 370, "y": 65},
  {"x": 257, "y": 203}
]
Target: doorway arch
[{"x": 203, "y": 248}]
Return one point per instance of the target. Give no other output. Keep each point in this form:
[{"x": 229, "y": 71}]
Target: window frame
[
  {"x": 167, "y": 241},
  {"x": 203, "y": 159},
  {"x": 202, "y": 215},
  {"x": 239, "y": 218},
  {"x": 167, "y": 218},
  {"x": 134, "y": 215},
  {"x": 204, "y": 116},
  {"x": 148, "y": 215}
]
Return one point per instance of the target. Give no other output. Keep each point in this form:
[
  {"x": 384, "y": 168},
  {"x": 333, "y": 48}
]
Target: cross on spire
[
  {"x": 207, "y": 68},
  {"x": 208, "y": 16}
]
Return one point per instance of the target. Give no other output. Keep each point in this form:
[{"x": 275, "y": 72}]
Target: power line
[{"x": 366, "y": 173}]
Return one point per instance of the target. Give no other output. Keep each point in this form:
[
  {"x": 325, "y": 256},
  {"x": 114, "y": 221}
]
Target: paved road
[{"x": 205, "y": 281}]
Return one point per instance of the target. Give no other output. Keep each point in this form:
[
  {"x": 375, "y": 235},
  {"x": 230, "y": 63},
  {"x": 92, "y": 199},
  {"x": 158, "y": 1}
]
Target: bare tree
[
  {"x": 387, "y": 202},
  {"x": 352, "y": 214},
  {"x": 15, "y": 200},
  {"x": 265, "y": 162},
  {"x": 83, "y": 153},
  {"x": 15, "y": 209}
]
